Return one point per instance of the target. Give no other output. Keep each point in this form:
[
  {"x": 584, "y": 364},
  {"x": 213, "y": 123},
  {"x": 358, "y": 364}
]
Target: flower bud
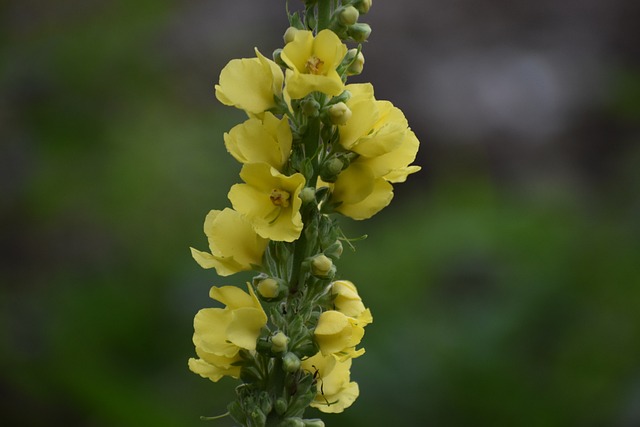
[
  {"x": 339, "y": 113},
  {"x": 335, "y": 250},
  {"x": 265, "y": 402},
  {"x": 308, "y": 195},
  {"x": 290, "y": 34},
  {"x": 330, "y": 169},
  {"x": 263, "y": 346},
  {"x": 258, "y": 417},
  {"x": 268, "y": 288},
  {"x": 359, "y": 32},
  {"x": 321, "y": 265},
  {"x": 310, "y": 107},
  {"x": 290, "y": 362},
  {"x": 363, "y": 6},
  {"x": 357, "y": 65},
  {"x": 314, "y": 422},
  {"x": 344, "y": 96},
  {"x": 279, "y": 341},
  {"x": 277, "y": 58},
  {"x": 291, "y": 422},
  {"x": 281, "y": 405},
  {"x": 348, "y": 16}
]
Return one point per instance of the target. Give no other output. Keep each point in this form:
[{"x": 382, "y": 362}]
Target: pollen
[
  {"x": 279, "y": 198},
  {"x": 314, "y": 65}
]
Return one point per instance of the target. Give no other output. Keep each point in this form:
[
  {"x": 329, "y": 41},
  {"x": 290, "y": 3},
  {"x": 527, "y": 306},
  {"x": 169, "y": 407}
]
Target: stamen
[
  {"x": 314, "y": 65},
  {"x": 279, "y": 198}
]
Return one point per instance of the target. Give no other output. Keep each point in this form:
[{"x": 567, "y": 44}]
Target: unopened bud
[
  {"x": 268, "y": 288},
  {"x": 290, "y": 362},
  {"x": 266, "y": 404},
  {"x": 330, "y": 169},
  {"x": 258, "y": 416},
  {"x": 281, "y": 405},
  {"x": 357, "y": 65},
  {"x": 364, "y": 6},
  {"x": 277, "y": 58},
  {"x": 279, "y": 341},
  {"x": 359, "y": 32},
  {"x": 310, "y": 107},
  {"x": 290, "y": 34},
  {"x": 308, "y": 195},
  {"x": 321, "y": 265},
  {"x": 314, "y": 422},
  {"x": 339, "y": 113},
  {"x": 335, "y": 250},
  {"x": 348, "y": 16},
  {"x": 291, "y": 422}
]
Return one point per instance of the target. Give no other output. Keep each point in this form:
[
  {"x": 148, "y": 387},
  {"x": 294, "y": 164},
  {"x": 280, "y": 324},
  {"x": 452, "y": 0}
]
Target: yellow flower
[
  {"x": 348, "y": 302},
  {"x": 380, "y": 134},
  {"x": 335, "y": 390},
  {"x": 266, "y": 140},
  {"x": 361, "y": 194},
  {"x": 233, "y": 244},
  {"x": 220, "y": 333},
  {"x": 269, "y": 200},
  {"x": 339, "y": 334},
  {"x": 312, "y": 64},
  {"x": 250, "y": 84}
]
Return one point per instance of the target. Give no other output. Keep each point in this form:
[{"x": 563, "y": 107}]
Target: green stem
[{"x": 324, "y": 14}]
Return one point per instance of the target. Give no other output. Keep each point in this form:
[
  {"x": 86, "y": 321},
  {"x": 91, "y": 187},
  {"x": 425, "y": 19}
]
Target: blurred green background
[{"x": 504, "y": 278}]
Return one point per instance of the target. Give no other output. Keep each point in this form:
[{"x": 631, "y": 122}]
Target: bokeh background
[{"x": 504, "y": 278}]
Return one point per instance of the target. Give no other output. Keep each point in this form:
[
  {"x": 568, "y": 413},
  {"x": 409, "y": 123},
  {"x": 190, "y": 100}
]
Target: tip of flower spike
[{"x": 363, "y": 6}]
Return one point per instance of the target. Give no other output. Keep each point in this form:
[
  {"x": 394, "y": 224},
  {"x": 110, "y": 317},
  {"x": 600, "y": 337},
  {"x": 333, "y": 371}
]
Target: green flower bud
[
  {"x": 258, "y": 417},
  {"x": 279, "y": 341},
  {"x": 357, "y": 65},
  {"x": 281, "y": 405},
  {"x": 308, "y": 195},
  {"x": 290, "y": 362},
  {"x": 330, "y": 169},
  {"x": 291, "y": 422},
  {"x": 268, "y": 288},
  {"x": 348, "y": 15},
  {"x": 335, "y": 250},
  {"x": 265, "y": 402},
  {"x": 307, "y": 349},
  {"x": 321, "y": 265},
  {"x": 363, "y": 5},
  {"x": 310, "y": 107},
  {"x": 359, "y": 32},
  {"x": 315, "y": 422},
  {"x": 344, "y": 96},
  {"x": 290, "y": 34},
  {"x": 263, "y": 346},
  {"x": 277, "y": 58},
  {"x": 339, "y": 113}
]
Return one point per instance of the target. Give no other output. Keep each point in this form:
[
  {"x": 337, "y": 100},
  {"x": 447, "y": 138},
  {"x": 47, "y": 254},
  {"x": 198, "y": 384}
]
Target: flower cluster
[{"x": 312, "y": 146}]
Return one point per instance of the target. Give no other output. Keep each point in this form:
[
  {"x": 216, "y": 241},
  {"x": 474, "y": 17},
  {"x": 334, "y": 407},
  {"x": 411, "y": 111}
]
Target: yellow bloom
[
  {"x": 250, "y": 84},
  {"x": 339, "y": 334},
  {"x": 220, "y": 333},
  {"x": 269, "y": 200},
  {"x": 312, "y": 64},
  {"x": 233, "y": 244},
  {"x": 266, "y": 140},
  {"x": 335, "y": 390},
  {"x": 380, "y": 134},
  {"x": 348, "y": 302}
]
